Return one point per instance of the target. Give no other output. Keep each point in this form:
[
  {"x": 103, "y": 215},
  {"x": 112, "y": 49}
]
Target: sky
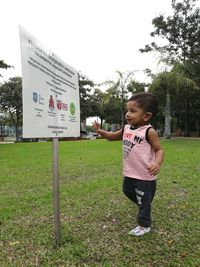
[{"x": 96, "y": 37}]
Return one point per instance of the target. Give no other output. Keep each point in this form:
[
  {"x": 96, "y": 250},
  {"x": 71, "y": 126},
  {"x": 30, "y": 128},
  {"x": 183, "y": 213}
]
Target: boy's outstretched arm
[{"x": 108, "y": 135}]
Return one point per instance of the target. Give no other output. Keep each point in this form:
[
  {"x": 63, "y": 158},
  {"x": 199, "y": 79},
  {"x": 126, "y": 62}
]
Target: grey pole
[{"x": 56, "y": 200}]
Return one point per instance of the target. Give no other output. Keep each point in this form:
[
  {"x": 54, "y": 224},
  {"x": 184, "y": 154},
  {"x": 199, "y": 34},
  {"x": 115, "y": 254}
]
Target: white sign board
[{"x": 51, "y": 105}]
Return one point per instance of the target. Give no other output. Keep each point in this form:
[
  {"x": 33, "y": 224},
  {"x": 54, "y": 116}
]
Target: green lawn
[{"x": 95, "y": 215}]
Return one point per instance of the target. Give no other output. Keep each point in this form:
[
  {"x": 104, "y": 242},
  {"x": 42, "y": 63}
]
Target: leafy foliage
[
  {"x": 98, "y": 102},
  {"x": 136, "y": 87},
  {"x": 11, "y": 100},
  {"x": 113, "y": 110},
  {"x": 118, "y": 92},
  {"x": 181, "y": 51},
  {"x": 85, "y": 87},
  {"x": 3, "y": 65},
  {"x": 181, "y": 32},
  {"x": 184, "y": 92}
]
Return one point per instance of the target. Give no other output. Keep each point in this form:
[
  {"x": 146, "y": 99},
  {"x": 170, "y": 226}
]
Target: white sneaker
[{"x": 138, "y": 231}]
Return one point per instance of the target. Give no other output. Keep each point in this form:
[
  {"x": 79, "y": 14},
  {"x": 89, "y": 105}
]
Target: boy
[{"x": 142, "y": 156}]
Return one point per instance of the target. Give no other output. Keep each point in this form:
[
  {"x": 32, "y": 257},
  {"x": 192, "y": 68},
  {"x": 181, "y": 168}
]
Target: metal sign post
[{"x": 56, "y": 201}]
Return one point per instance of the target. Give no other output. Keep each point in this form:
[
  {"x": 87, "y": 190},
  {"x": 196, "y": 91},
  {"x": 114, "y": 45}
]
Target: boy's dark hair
[{"x": 148, "y": 102}]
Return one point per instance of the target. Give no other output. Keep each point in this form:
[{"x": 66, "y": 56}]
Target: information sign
[{"x": 51, "y": 105}]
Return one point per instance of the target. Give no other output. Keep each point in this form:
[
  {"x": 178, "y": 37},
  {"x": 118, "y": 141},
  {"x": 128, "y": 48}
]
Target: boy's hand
[
  {"x": 153, "y": 168},
  {"x": 96, "y": 126}
]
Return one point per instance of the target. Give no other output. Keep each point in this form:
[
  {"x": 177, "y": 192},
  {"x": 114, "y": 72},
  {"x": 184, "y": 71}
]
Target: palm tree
[
  {"x": 163, "y": 87},
  {"x": 167, "y": 132},
  {"x": 178, "y": 86},
  {"x": 119, "y": 88},
  {"x": 186, "y": 89}
]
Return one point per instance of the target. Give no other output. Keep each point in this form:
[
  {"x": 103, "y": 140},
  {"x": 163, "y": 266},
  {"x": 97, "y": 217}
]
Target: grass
[{"x": 95, "y": 215}]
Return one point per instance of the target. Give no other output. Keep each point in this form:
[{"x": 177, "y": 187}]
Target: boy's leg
[
  {"x": 145, "y": 191},
  {"x": 129, "y": 188}
]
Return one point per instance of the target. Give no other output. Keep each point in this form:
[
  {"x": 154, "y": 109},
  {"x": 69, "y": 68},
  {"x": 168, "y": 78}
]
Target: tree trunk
[
  {"x": 187, "y": 115},
  {"x": 197, "y": 125},
  {"x": 16, "y": 132},
  {"x": 167, "y": 132}
]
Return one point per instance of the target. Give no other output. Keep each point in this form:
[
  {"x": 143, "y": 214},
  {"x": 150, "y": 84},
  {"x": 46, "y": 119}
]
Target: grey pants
[{"x": 142, "y": 193}]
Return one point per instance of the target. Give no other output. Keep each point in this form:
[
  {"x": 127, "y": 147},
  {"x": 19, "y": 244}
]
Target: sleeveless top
[{"x": 137, "y": 153}]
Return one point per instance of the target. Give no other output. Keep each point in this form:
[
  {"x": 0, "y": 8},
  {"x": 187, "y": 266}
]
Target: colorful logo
[
  {"x": 51, "y": 103},
  {"x": 72, "y": 108},
  {"x": 35, "y": 97},
  {"x": 61, "y": 105}
]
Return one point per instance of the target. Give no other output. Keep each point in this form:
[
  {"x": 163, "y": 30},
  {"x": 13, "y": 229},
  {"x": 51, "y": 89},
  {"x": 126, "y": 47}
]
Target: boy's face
[{"x": 135, "y": 115}]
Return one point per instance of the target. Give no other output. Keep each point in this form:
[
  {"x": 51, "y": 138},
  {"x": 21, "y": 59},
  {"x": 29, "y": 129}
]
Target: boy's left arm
[{"x": 154, "y": 167}]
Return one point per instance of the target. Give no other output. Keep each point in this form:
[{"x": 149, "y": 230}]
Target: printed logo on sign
[
  {"x": 51, "y": 103},
  {"x": 72, "y": 109},
  {"x": 35, "y": 97},
  {"x": 39, "y": 102},
  {"x": 61, "y": 105}
]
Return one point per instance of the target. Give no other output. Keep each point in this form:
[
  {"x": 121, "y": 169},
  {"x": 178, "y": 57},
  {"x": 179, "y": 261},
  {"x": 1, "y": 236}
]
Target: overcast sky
[{"x": 96, "y": 37}]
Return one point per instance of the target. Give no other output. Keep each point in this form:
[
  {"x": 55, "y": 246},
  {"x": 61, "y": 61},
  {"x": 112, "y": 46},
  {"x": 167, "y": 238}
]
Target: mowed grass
[{"x": 95, "y": 215}]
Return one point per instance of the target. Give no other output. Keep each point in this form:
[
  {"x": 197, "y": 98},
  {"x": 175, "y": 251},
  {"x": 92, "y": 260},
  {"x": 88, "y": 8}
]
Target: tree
[
  {"x": 11, "y": 101},
  {"x": 119, "y": 89},
  {"x": 187, "y": 91},
  {"x": 3, "y": 122},
  {"x": 136, "y": 87},
  {"x": 182, "y": 91},
  {"x": 167, "y": 132},
  {"x": 85, "y": 87},
  {"x": 3, "y": 65},
  {"x": 98, "y": 102},
  {"x": 163, "y": 86},
  {"x": 181, "y": 32},
  {"x": 112, "y": 109}
]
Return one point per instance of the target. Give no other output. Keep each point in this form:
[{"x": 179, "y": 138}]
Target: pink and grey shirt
[{"x": 137, "y": 153}]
